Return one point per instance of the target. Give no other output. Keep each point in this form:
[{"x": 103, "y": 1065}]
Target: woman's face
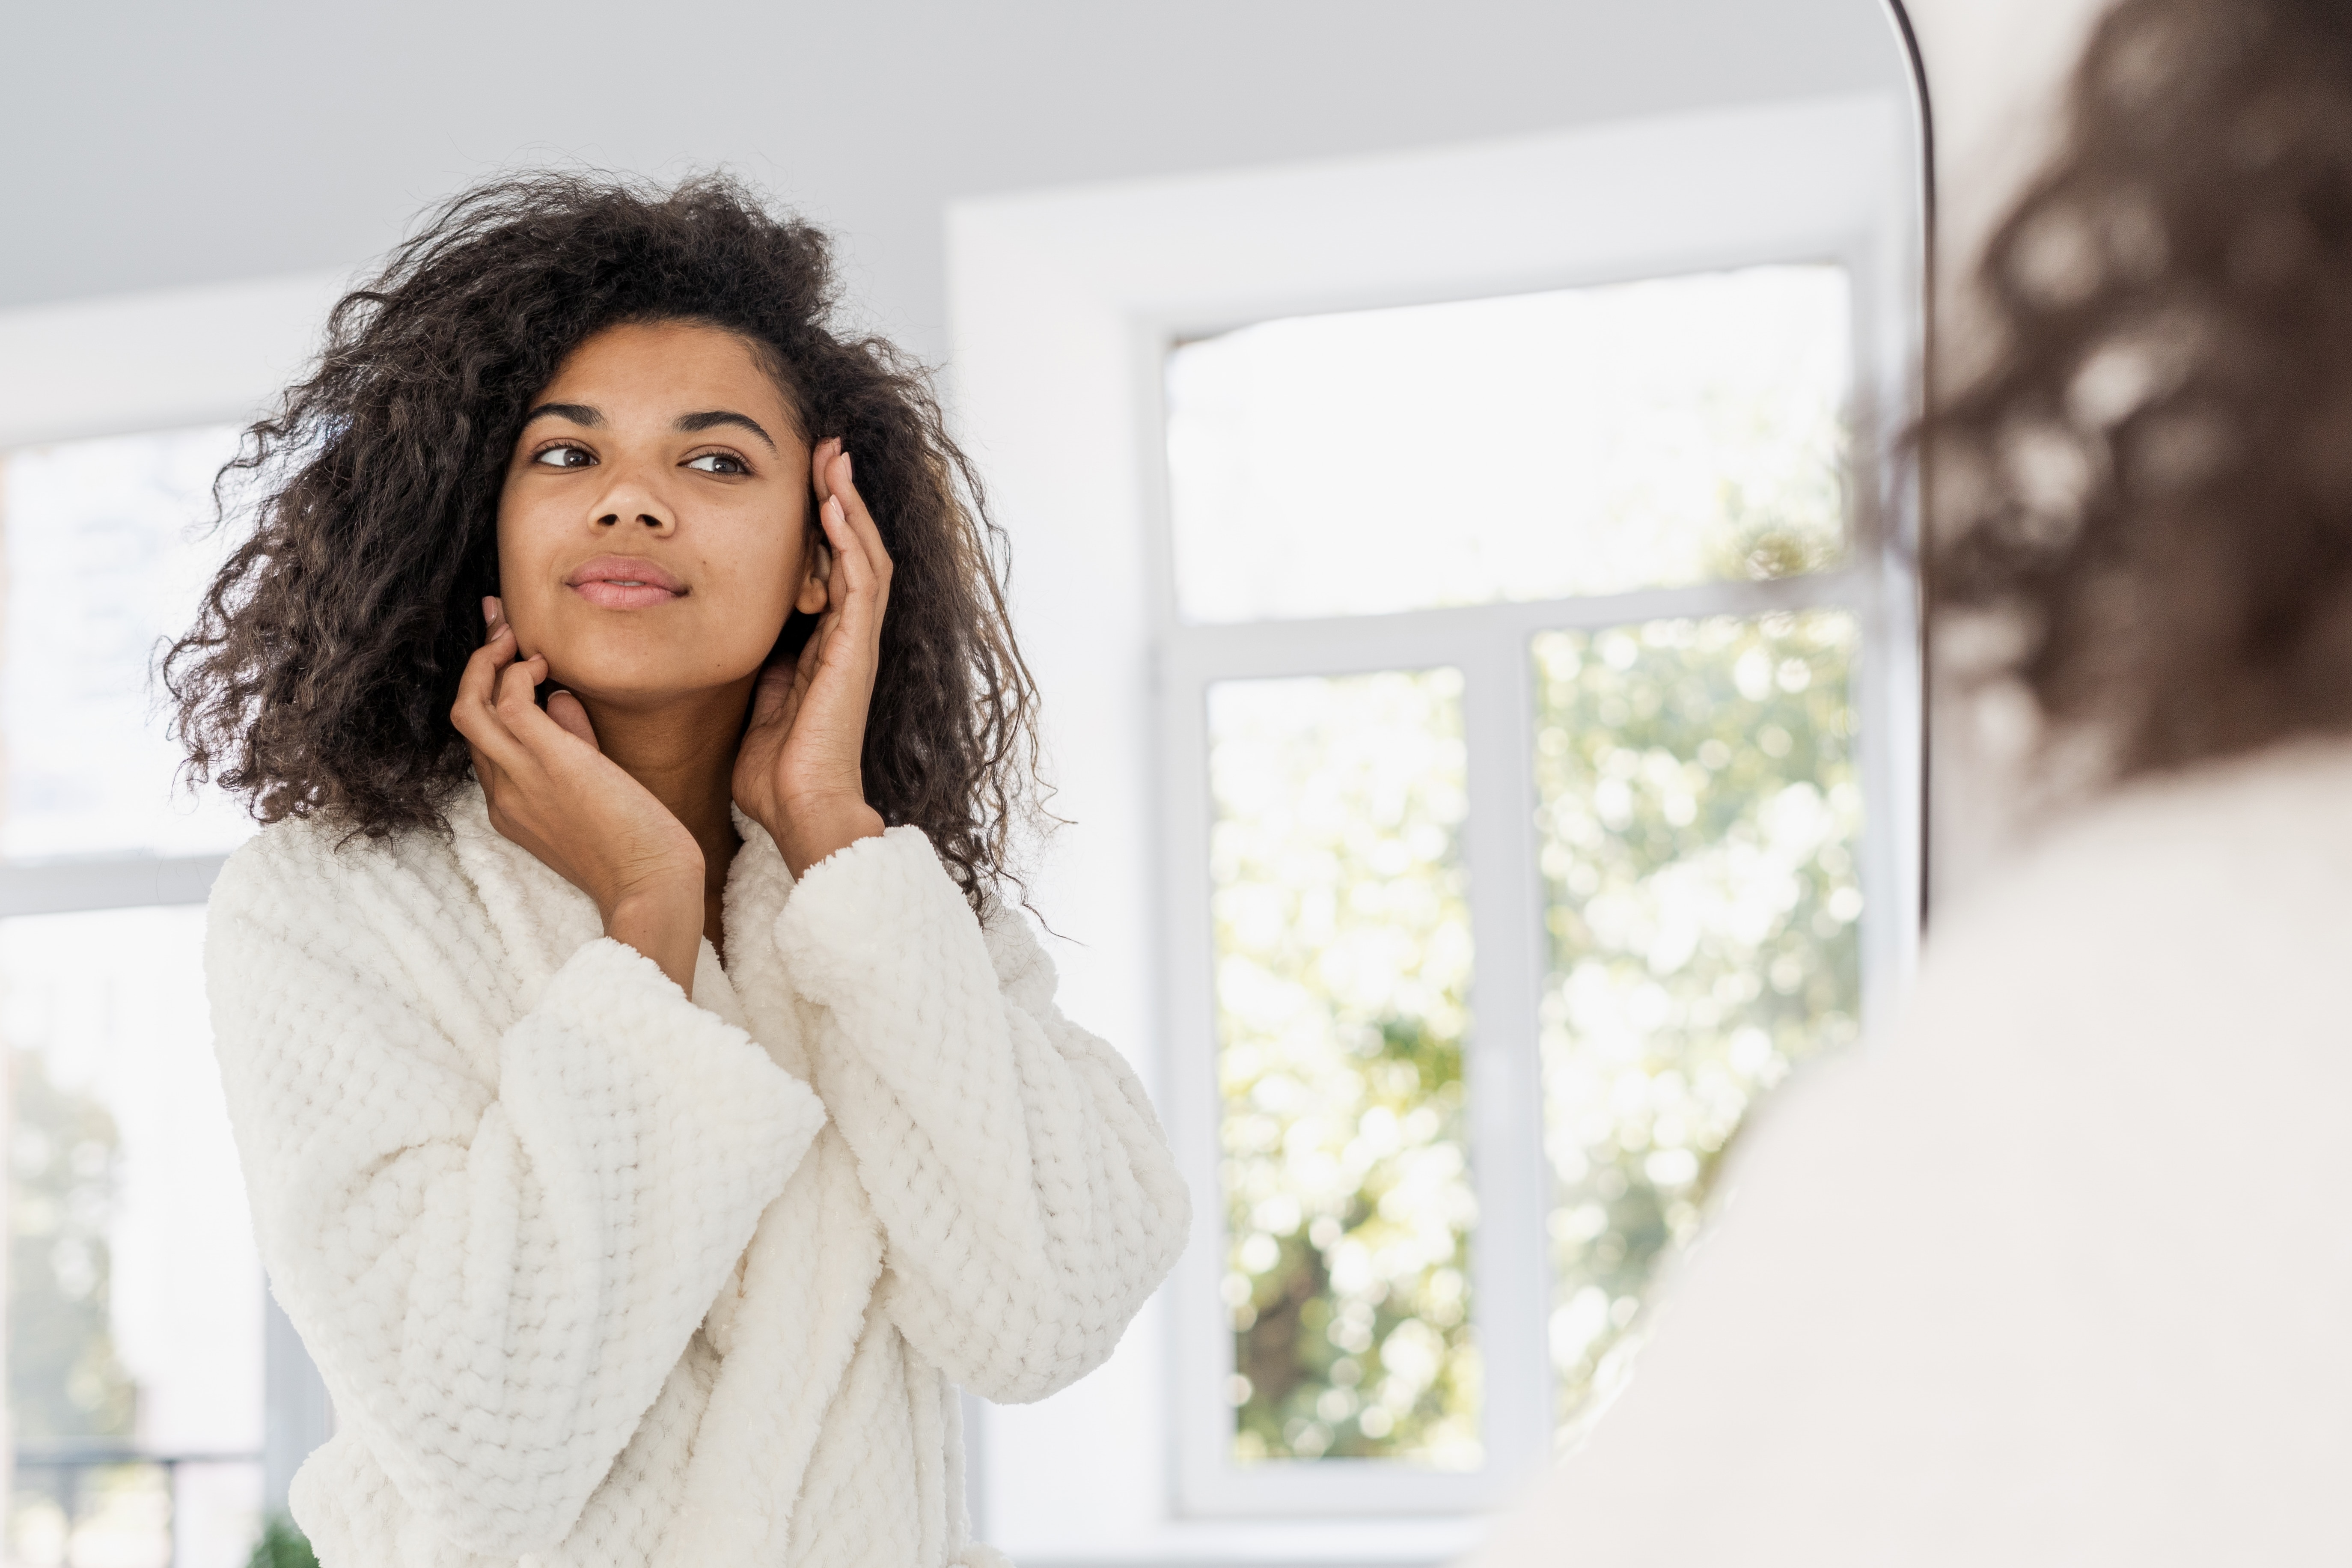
[{"x": 653, "y": 528}]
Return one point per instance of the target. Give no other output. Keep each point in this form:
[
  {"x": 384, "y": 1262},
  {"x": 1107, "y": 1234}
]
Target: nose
[{"x": 636, "y": 494}]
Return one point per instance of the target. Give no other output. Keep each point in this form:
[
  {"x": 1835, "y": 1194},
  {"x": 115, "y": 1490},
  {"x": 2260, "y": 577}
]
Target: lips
[{"x": 623, "y": 582}]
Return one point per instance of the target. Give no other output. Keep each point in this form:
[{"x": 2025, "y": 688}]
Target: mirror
[{"x": 1474, "y": 628}]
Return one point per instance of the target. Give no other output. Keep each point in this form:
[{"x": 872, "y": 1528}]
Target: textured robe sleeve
[
  {"x": 1026, "y": 1193},
  {"x": 494, "y": 1271}
]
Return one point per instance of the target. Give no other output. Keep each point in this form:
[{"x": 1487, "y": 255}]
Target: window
[
  {"x": 1509, "y": 673},
  {"x": 1343, "y": 976},
  {"x": 135, "y": 1313},
  {"x": 1701, "y": 825},
  {"x": 1566, "y": 444}
]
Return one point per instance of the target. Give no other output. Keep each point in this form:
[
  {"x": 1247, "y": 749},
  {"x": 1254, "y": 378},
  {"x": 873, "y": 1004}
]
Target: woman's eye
[
  {"x": 719, "y": 463},
  {"x": 565, "y": 457}
]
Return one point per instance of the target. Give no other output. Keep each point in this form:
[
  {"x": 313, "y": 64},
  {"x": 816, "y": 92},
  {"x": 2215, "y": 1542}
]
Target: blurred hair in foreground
[
  {"x": 2059, "y": 1275},
  {"x": 2143, "y": 496}
]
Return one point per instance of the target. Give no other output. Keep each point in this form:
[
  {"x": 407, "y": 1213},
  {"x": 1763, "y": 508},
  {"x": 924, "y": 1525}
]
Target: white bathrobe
[
  {"x": 2061, "y": 1274},
  {"x": 597, "y": 1274}
]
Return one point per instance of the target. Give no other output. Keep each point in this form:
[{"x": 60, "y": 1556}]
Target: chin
[{"x": 638, "y": 682}]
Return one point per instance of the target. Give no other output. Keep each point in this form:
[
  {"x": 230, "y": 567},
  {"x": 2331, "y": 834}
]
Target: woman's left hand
[{"x": 797, "y": 772}]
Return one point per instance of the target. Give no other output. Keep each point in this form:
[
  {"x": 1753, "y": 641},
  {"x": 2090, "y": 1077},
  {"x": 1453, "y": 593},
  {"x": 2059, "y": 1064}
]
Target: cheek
[
  {"x": 525, "y": 544},
  {"x": 748, "y": 593}
]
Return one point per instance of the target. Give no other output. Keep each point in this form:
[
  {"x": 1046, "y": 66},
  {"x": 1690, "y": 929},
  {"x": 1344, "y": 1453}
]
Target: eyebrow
[
  {"x": 578, "y": 413},
  {"x": 690, "y": 424},
  {"x": 711, "y": 418}
]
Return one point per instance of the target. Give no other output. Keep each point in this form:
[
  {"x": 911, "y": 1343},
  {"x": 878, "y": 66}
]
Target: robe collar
[{"x": 541, "y": 920}]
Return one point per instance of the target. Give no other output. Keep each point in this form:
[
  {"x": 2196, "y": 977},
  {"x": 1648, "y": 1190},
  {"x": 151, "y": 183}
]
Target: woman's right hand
[{"x": 552, "y": 790}]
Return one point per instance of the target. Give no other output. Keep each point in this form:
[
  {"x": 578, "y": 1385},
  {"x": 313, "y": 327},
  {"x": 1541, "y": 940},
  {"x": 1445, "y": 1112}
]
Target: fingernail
[
  {"x": 832, "y": 511},
  {"x": 849, "y": 474},
  {"x": 489, "y": 610}
]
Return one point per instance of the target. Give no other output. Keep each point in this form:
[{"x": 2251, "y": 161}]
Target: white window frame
[
  {"x": 1064, "y": 308},
  {"x": 169, "y": 360}
]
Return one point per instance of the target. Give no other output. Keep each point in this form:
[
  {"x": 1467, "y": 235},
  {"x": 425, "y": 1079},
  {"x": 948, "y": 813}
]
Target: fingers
[
  {"x": 859, "y": 582},
  {"x": 570, "y": 717},
  {"x": 805, "y": 667},
  {"x": 842, "y": 487},
  {"x": 517, "y": 702},
  {"x": 772, "y": 700},
  {"x": 497, "y": 650},
  {"x": 475, "y": 711},
  {"x": 821, "y": 466},
  {"x": 854, "y": 596},
  {"x": 497, "y": 710}
]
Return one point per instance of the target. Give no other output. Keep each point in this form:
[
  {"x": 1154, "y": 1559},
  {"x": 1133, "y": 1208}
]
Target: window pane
[
  {"x": 1700, "y": 820},
  {"x": 1342, "y": 938},
  {"x": 134, "y": 1291},
  {"x": 1580, "y": 441},
  {"x": 106, "y": 553}
]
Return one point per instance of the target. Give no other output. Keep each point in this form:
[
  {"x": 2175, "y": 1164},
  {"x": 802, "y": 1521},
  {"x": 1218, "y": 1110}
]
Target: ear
[{"x": 813, "y": 597}]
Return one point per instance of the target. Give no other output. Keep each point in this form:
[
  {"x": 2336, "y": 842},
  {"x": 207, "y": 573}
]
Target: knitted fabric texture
[{"x": 601, "y": 1275}]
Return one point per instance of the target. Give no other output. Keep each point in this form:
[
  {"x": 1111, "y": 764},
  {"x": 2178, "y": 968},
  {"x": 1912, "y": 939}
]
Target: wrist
[
  {"x": 813, "y": 831},
  {"x": 674, "y": 899},
  {"x": 668, "y": 885},
  {"x": 664, "y": 923}
]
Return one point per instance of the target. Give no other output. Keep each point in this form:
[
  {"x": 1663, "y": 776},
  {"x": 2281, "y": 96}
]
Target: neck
[{"x": 682, "y": 748}]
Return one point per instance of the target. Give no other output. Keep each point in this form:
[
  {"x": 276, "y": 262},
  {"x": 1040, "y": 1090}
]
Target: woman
[
  {"x": 2062, "y": 1275},
  {"x": 652, "y": 1116}
]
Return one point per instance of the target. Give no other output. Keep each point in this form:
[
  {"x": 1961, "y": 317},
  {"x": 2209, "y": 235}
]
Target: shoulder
[
  {"x": 2136, "y": 898},
  {"x": 2128, "y": 1040},
  {"x": 2168, "y": 952},
  {"x": 1019, "y": 959},
  {"x": 313, "y": 873}
]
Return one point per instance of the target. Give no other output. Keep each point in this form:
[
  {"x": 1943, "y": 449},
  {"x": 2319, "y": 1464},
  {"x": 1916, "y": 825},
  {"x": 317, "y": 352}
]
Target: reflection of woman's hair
[
  {"x": 319, "y": 675},
  {"x": 2152, "y": 478}
]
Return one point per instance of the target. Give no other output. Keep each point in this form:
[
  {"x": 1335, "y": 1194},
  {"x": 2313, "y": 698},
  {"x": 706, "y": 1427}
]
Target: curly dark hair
[
  {"x": 318, "y": 676},
  {"x": 2148, "y": 485}
]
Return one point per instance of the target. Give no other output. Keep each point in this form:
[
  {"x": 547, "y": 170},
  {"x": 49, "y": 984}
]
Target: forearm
[
  {"x": 524, "y": 1253},
  {"x": 810, "y": 832},
  {"x": 1019, "y": 1259},
  {"x": 1031, "y": 1204}
]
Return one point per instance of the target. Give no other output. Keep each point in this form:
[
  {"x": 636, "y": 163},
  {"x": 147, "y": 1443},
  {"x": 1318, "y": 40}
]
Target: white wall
[
  {"x": 152, "y": 145},
  {"x": 164, "y": 359}
]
